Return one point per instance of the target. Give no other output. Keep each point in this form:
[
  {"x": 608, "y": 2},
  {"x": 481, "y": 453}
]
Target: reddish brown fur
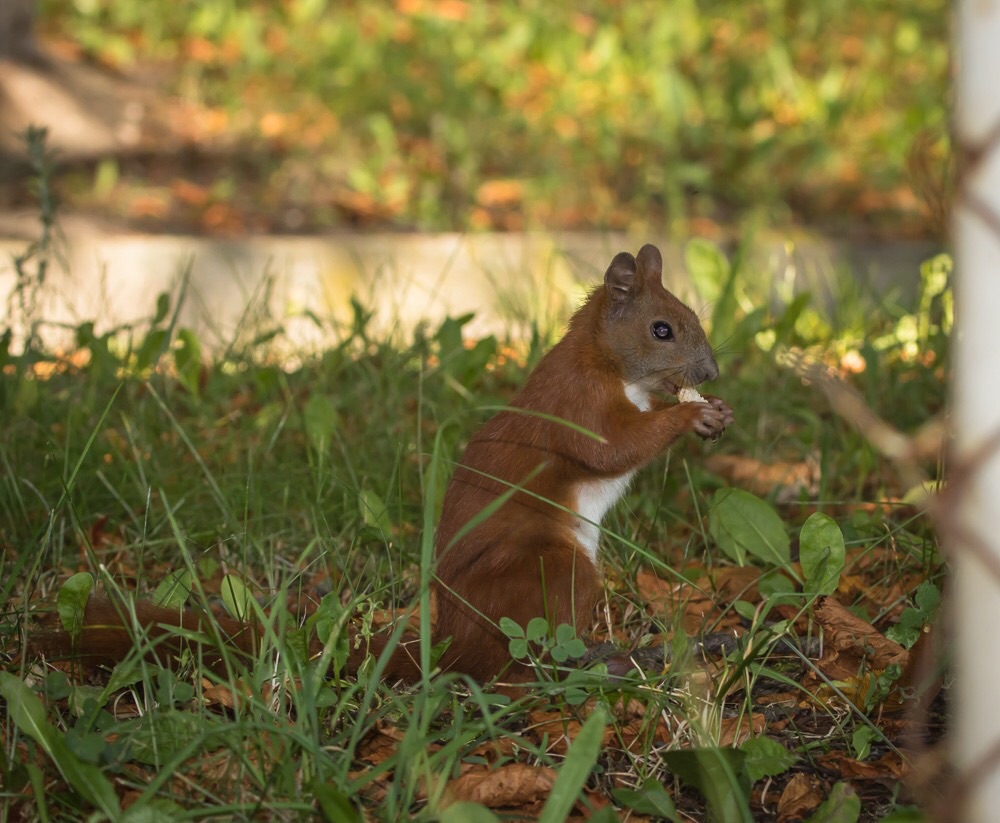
[{"x": 527, "y": 559}]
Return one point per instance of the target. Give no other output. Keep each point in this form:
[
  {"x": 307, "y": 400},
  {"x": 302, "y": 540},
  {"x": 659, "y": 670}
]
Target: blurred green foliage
[{"x": 490, "y": 113}]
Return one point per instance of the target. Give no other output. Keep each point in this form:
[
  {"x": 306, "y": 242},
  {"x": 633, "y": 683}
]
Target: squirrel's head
[{"x": 656, "y": 341}]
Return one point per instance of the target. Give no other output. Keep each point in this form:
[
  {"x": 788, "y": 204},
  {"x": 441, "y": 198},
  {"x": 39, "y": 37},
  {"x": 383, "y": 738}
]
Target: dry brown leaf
[
  {"x": 787, "y": 698},
  {"x": 731, "y": 583},
  {"x": 851, "y": 640},
  {"x": 656, "y": 591},
  {"x": 220, "y": 694},
  {"x": 493, "y": 750},
  {"x": 380, "y": 743},
  {"x": 554, "y": 730},
  {"x": 855, "y": 651},
  {"x": 515, "y": 784},
  {"x": 888, "y": 767},
  {"x": 735, "y": 731},
  {"x": 801, "y": 795},
  {"x": 792, "y": 480}
]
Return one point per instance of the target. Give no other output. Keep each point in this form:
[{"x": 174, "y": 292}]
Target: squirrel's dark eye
[{"x": 662, "y": 331}]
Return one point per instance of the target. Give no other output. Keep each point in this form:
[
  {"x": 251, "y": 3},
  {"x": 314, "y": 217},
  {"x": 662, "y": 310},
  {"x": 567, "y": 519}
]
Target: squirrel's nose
[{"x": 706, "y": 370}]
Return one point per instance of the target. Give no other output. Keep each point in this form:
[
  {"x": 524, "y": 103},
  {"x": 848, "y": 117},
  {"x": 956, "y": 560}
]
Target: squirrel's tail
[{"x": 111, "y": 631}]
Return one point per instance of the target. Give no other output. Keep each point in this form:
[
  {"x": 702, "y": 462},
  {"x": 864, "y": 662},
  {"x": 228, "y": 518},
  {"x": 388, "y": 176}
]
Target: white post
[{"x": 974, "y": 541}]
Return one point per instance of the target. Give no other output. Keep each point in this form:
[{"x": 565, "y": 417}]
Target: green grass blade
[{"x": 575, "y": 769}]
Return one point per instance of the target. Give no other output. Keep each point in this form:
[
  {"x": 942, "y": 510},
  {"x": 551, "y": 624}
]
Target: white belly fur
[
  {"x": 594, "y": 499},
  {"x": 639, "y": 397}
]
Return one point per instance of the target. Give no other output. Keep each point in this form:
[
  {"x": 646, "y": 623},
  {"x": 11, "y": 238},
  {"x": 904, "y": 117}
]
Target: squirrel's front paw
[
  {"x": 709, "y": 419},
  {"x": 722, "y": 406}
]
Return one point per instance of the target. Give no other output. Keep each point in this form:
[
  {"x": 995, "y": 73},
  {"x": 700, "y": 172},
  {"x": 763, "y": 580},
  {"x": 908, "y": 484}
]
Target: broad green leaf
[
  {"x": 518, "y": 648},
  {"x": 187, "y": 359},
  {"x": 537, "y": 629},
  {"x": 320, "y": 418},
  {"x": 162, "y": 308},
  {"x": 160, "y": 736},
  {"x": 56, "y": 686},
  {"x": 151, "y": 349},
  {"x": 861, "y": 741},
  {"x": 157, "y": 810},
  {"x": 565, "y": 633},
  {"x": 174, "y": 590},
  {"x": 374, "y": 512},
  {"x": 72, "y": 601},
  {"x": 28, "y": 714},
  {"x": 236, "y": 596},
  {"x": 822, "y": 553},
  {"x": 466, "y": 812},
  {"x": 720, "y": 777},
  {"x": 124, "y": 674},
  {"x": 559, "y": 653},
  {"x": 774, "y": 583},
  {"x": 511, "y": 628},
  {"x": 575, "y": 769},
  {"x": 335, "y": 805},
  {"x": 87, "y": 747},
  {"x": 652, "y": 799},
  {"x": 328, "y": 622},
  {"x": 842, "y": 806},
  {"x": 743, "y": 524},
  {"x": 707, "y": 268},
  {"x": 927, "y": 598},
  {"x": 766, "y": 758}
]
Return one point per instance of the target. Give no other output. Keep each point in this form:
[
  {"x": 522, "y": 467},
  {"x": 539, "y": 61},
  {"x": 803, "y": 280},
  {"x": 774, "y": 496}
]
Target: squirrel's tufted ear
[
  {"x": 650, "y": 263},
  {"x": 622, "y": 279}
]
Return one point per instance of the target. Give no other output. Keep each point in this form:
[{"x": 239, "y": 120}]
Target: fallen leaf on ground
[
  {"x": 801, "y": 795},
  {"x": 853, "y": 643},
  {"x": 792, "y": 480},
  {"x": 221, "y": 694},
  {"x": 735, "y": 731},
  {"x": 512, "y": 785},
  {"x": 888, "y": 767}
]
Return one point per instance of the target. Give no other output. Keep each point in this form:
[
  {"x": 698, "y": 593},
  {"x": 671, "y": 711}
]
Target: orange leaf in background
[
  {"x": 451, "y": 9},
  {"x": 515, "y": 784},
  {"x": 791, "y": 479},
  {"x": 222, "y": 217},
  {"x": 189, "y": 193},
  {"x": 149, "y": 205},
  {"x": 273, "y": 124},
  {"x": 456, "y": 10},
  {"x": 500, "y": 193},
  {"x": 200, "y": 50},
  {"x": 802, "y": 794}
]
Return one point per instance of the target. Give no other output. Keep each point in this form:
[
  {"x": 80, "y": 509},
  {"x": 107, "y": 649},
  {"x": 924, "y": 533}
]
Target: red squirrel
[{"x": 536, "y": 555}]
